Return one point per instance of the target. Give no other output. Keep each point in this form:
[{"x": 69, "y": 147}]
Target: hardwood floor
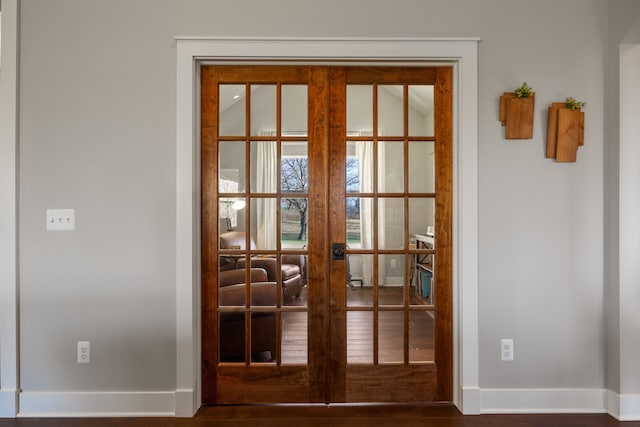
[
  {"x": 360, "y": 330},
  {"x": 333, "y": 415}
]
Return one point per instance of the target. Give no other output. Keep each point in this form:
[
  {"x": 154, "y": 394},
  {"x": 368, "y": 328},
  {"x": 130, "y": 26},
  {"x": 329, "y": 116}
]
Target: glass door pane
[
  {"x": 297, "y": 163},
  {"x": 255, "y": 141},
  {"x": 389, "y": 158}
]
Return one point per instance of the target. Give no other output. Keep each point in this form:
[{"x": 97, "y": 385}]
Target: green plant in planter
[
  {"x": 572, "y": 104},
  {"x": 523, "y": 91}
]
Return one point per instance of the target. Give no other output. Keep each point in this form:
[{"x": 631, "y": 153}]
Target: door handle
[{"x": 338, "y": 251}]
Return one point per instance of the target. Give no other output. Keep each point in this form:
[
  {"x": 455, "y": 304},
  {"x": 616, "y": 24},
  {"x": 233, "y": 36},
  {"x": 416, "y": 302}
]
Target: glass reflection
[
  {"x": 294, "y": 167},
  {"x": 232, "y": 111},
  {"x": 231, "y": 281},
  {"x": 231, "y": 333},
  {"x": 421, "y": 336},
  {"x": 294, "y": 109},
  {"x": 391, "y": 279},
  {"x": 390, "y": 337},
  {"x": 263, "y": 222},
  {"x": 294, "y": 338},
  {"x": 263, "y": 109},
  {"x": 421, "y": 167},
  {"x": 360, "y": 108},
  {"x": 360, "y": 280},
  {"x": 423, "y": 279},
  {"x": 293, "y": 274},
  {"x": 390, "y": 167},
  {"x": 264, "y": 167},
  {"x": 421, "y": 110},
  {"x": 359, "y": 222},
  {"x": 360, "y": 337},
  {"x": 390, "y": 110},
  {"x": 391, "y": 230},
  {"x": 231, "y": 211},
  {"x": 263, "y": 336},
  {"x": 232, "y": 168},
  {"x": 422, "y": 216},
  {"x": 359, "y": 167},
  {"x": 390, "y": 223},
  {"x": 293, "y": 228}
]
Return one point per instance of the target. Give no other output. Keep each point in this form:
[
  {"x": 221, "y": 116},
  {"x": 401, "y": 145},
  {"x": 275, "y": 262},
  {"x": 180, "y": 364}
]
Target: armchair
[
  {"x": 292, "y": 267},
  {"x": 232, "y": 292}
]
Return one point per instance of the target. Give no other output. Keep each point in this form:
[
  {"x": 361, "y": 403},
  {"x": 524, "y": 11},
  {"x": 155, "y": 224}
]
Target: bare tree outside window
[{"x": 295, "y": 179}]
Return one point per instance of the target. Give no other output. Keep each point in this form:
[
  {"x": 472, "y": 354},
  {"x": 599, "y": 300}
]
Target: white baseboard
[
  {"x": 532, "y": 401},
  {"x": 393, "y": 280},
  {"x": 182, "y": 403},
  {"x": 623, "y": 407},
  {"x": 97, "y": 404},
  {"x": 8, "y": 403}
]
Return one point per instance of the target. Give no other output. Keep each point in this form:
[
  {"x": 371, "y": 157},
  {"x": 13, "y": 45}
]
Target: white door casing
[{"x": 460, "y": 53}]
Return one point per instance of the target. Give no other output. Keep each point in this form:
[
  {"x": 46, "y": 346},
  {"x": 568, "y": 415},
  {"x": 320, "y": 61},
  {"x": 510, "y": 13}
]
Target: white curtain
[
  {"x": 364, "y": 153},
  {"x": 266, "y": 182}
]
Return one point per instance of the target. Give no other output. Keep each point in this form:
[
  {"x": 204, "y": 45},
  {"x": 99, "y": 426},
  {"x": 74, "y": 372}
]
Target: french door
[{"x": 326, "y": 234}]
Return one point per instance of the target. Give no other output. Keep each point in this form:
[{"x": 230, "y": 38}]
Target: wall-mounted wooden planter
[
  {"x": 565, "y": 132},
  {"x": 516, "y": 115}
]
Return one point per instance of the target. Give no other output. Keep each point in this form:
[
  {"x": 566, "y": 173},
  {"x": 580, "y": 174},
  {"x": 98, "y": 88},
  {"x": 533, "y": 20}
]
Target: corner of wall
[
  {"x": 186, "y": 403},
  {"x": 471, "y": 401},
  {"x": 623, "y": 407},
  {"x": 8, "y": 403}
]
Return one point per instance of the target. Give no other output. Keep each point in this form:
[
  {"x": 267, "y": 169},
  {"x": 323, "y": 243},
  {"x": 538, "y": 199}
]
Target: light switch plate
[{"x": 61, "y": 219}]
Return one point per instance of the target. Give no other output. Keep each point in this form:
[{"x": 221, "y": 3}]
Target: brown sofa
[
  {"x": 292, "y": 267},
  {"x": 232, "y": 292}
]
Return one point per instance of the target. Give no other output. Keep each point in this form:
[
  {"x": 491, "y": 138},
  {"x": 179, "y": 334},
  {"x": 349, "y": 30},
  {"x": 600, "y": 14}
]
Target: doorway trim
[
  {"x": 461, "y": 53},
  {"x": 9, "y": 327}
]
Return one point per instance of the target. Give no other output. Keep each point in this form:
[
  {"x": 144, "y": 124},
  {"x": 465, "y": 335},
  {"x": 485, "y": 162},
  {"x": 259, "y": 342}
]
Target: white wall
[
  {"x": 97, "y": 126},
  {"x": 629, "y": 291},
  {"x": 541, "y": 221},
  {"x": 629, "y": 200},
  {"x": 621, "y": 205}
]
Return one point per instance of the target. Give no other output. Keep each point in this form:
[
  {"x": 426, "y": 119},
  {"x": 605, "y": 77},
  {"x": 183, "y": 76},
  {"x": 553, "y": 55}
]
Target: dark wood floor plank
[
  {"x": 381, "y": 415},
  {"x": 360, "y": 331}
]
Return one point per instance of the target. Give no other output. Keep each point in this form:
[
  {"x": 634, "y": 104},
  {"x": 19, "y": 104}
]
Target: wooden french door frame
[
  {"x": 326, "y": 377},
  {"x": 303, "y": 383},
  {"x": 377, "y": 381}
]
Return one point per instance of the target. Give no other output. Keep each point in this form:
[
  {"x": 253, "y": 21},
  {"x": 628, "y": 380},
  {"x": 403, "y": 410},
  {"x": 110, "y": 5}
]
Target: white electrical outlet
[
  {"x": 84, "y": 352},
  {"x": 61, "y": 219},
  {"x": 393, "y": 263},
  {"x": 506, "y": 350}
]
